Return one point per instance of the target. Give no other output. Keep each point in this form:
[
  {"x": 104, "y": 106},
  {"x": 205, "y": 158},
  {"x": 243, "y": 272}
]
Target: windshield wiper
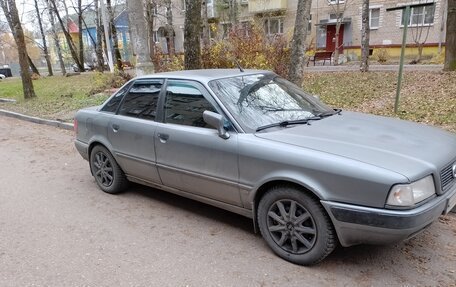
[
  {"x": 288, "y": 123},
  {"x": 329, "y": 113}
]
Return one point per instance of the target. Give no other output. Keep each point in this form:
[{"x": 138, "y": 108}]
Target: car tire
[
  {"x": 107, "y": 173},
  {"x": 295, "y": 225}
]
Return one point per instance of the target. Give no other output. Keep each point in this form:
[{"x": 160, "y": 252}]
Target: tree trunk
[
  {"x": 192, "y": 46},
  {"x": 43, "y": 37},
  {"x": 450, "y": 43},
  {"x": 56, "y": 38},
  {"x": 32, "y": 66},
  {"x": 10, "y": 11},
  {"x": 298, "y": 42},
  {"x": 365, "y": 35},
  {"x": 115, "y": 40},
  {"x": 170, "y": 28},
  {"x": 81, "y": 43},
  {"x": 150, "y": 16},
  {"x": 206, "y": 33},
  {"x": 139, "y": 37},
  {"x": 234, "y": 12},
  {"x": 70, "y": 42},
  {"x": 99, "y": 46}
]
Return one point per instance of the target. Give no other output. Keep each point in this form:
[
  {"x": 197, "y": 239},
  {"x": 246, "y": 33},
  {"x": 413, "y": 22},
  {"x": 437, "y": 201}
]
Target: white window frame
[
  {"x": 424, "y": 16},
  {"x": 280, "y": 27},
  {"x": 370, "y": 18},
  {"x": 335, "y": 2}
]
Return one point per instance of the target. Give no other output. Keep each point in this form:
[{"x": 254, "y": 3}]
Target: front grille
[{"x": 446, "y": 176}]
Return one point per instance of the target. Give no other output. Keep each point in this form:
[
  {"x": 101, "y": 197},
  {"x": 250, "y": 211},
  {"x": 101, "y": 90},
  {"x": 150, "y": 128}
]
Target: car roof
[{"x": 204, "y": 75}]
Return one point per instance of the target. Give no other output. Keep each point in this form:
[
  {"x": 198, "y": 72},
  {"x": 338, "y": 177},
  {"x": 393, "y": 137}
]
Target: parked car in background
[
  {"x": 2, "y": 76},
  {"x": 87, "y": 67},
  {"x": 253, "y": 143}
]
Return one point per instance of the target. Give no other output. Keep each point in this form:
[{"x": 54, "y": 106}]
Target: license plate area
[{"x": 451, "y": 203}]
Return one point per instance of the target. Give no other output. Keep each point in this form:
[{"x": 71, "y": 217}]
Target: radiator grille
[{"x": 446, "y": 176}]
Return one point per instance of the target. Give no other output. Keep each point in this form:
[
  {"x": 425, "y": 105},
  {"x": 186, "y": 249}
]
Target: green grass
[
  {"x": 58, "y": 97},
  {"x": 427, "y": 97}
]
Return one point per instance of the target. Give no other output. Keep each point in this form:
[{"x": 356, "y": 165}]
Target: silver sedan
[{"x": 250, "y": 142}]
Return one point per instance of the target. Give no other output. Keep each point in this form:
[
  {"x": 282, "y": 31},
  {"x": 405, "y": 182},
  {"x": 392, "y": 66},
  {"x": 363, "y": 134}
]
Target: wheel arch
[
  {"x": 95, "y": 143},
  {"x": 262, "y": 189}
]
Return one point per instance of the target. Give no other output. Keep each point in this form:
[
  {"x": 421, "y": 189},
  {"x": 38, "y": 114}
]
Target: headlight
[{"x": 413, "y": 193}]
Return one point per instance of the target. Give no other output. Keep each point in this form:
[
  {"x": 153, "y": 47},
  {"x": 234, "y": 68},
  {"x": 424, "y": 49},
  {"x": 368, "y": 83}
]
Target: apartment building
[{"x": 426, "y": 25}]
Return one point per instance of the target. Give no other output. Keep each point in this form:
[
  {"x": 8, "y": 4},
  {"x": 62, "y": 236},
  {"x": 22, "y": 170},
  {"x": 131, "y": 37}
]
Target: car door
[
  {"x": 131, "y": 131},
  {"x": 190, "y": 154}
]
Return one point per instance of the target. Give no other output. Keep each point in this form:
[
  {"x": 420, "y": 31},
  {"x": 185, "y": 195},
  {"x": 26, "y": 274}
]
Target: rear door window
[
  {"x": 114, "y": 102},
  {"x": 141, "y": 100}
]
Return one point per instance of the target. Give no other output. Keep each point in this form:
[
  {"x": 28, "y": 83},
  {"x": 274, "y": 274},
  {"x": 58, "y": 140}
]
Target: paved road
[{"x": 58, "y": 229}]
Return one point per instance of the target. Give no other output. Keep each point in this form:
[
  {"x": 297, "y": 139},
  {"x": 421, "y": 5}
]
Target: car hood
[{"x": 411, "y": 149}]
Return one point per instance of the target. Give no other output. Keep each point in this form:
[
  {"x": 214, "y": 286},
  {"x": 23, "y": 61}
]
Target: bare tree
[
  {"x": 192, "y": 46},
  {"x": 115, "y": 40},
  {"x": 169, "y": 27},
  {"x": 206, "y": 33},
  {"x": 137, "y": 21},
  {"x": 99, "y": 45},
  {"x": 339, "y": 8},
  {"x": 234, "y": 11},
  {"x": 365, "y": 35},
  {"x": 450, "y": 44},
  {"x": 298, "y": 43},
  {"x": 79, "y": 12},
  {"x": 55, "y": 37},
  {"x": 43, "y": 37},
  {"x": 151, "y": 7},
  {"x": 10, "y": 10},
  {"x": 68, "y": 38}
]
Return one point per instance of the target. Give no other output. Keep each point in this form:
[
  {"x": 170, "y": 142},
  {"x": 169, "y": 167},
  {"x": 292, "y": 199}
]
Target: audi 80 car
[{"x": 250, "y": 142}]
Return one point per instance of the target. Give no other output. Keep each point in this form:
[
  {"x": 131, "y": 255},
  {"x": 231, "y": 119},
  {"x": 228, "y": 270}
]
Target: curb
[{"x": 53, "y": 123}]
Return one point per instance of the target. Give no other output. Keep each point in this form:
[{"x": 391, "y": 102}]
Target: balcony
[{"x": 265, "y": 6}]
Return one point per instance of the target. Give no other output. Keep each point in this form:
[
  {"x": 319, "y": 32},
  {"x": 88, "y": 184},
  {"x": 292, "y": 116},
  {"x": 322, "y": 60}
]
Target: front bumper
[{"x": 359, "y": 225}]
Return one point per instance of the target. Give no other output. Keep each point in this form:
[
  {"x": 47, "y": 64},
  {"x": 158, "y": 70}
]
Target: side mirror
[{"x": 217, "y": 121}]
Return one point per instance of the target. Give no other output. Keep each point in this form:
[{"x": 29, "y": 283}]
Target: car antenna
[{"x": 238, "y": 65}]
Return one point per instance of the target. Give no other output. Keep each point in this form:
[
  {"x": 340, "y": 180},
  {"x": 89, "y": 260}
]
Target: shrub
[
  {"x": 251, "y": 49},
  {"x": 382, "y": 55}
]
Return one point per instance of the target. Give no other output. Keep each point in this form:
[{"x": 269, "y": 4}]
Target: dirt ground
[{"x": 58, "y": 229}]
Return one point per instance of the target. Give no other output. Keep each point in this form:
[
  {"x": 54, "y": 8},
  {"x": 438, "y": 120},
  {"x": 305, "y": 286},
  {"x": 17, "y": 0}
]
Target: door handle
[
  {"x": 163, "y": 137},
  {"x": 115, "y": 127}
]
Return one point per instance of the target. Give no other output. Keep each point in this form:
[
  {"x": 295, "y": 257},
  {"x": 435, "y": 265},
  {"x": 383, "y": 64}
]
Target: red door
[{"x": 331, "y": 38}]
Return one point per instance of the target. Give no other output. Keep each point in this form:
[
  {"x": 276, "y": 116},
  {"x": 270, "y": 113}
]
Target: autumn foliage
[{"x": 251, "y": 49}]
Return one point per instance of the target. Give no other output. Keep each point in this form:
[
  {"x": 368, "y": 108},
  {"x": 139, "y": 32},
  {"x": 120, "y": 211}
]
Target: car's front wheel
[
  {"x": 295, "y": 225},
  {"x": 108, "y": 175}
]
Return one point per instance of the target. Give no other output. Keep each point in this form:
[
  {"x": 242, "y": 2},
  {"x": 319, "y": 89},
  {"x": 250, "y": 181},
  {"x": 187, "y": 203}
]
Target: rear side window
[
  {"x": 141, "y": 100},
  {"x": 114, "y": 102},
  {"x": 185, "y": 105}
]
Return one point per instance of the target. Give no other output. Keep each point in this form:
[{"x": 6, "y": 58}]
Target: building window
[
  {"x": 420, "y": 16},
  {"x": 336, "y": 2},
  {"x": 374, "y": 18},
  {"x": 273, "y": 26}
]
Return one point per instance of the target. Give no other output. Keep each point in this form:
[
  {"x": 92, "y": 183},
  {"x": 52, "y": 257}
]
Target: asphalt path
[{"x": 58, "y": 229}]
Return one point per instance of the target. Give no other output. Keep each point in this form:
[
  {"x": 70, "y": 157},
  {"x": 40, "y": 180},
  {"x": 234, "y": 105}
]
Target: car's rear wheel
[
  {"x": 295, "y": 225},
  {"x": 108, "y": 175}
]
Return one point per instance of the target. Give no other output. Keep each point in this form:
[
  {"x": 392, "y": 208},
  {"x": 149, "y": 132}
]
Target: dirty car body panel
[{"x": 362, "y": 169}]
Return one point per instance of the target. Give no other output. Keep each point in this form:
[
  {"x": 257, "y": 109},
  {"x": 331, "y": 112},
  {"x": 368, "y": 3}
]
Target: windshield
[{"x": 264, "y": 99}]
